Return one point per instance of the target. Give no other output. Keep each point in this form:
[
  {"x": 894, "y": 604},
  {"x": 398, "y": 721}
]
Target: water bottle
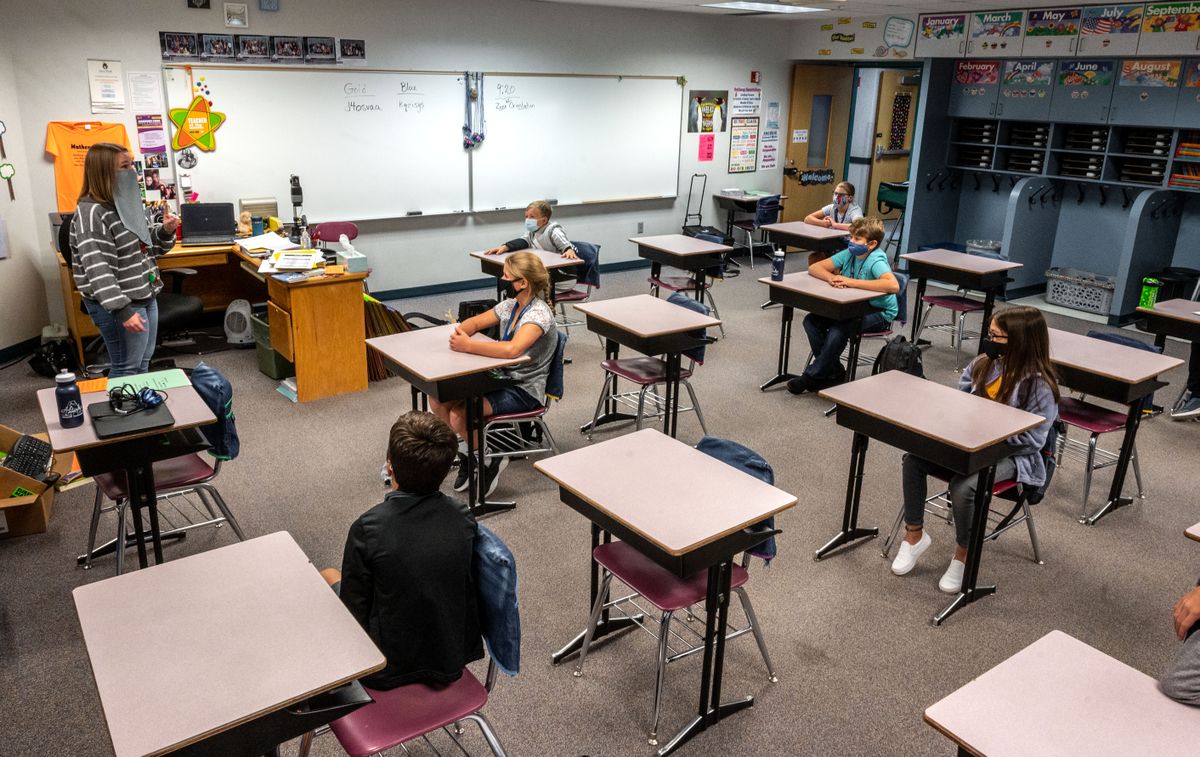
[
  {"x": 777, "y": 266},
  {"x": 70, "y": 406},
  {"x": 305, "y": 239}
]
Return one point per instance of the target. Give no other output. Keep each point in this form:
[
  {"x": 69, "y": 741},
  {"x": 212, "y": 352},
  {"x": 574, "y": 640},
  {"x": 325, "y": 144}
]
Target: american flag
[{"x": 1098, "y": 26}]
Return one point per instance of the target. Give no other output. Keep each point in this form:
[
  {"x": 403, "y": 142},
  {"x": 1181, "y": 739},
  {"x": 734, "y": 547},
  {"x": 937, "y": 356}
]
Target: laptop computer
[{"x": 208, "y": 223}]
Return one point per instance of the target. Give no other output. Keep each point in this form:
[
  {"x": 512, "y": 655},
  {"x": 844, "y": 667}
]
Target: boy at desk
[
  {"x": 862, "y": 265},
  {"x": 540, "y": 234},
  {"x": 406, "y": 572}
]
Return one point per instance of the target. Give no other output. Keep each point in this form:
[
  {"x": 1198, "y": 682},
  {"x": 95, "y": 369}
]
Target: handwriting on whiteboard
[{"x": 507, "y": 98}]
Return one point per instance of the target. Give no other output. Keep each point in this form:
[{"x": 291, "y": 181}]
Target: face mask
[
  {"x": 510, "y": 288},
  {"x": 840, "y": 200},
  {"x": 994, "y": 350},
  {"x": 128, "y": 199},
  {"x": 857, "y": 249},
  {"x": 531, "y": 225}
]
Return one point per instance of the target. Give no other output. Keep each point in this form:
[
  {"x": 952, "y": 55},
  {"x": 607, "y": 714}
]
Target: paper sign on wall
[
  {"x": 151, "y": 137},
  {"x": 799, "y": 136},
  {"x": 145, "y": 92},
  {"x": 770, "y": 149},
  {"x": 746, "y": 101},
  {"x": 106, "y": 86},
  {"x": 743, "y": 144},
  {"x": 707, "y": 147}
]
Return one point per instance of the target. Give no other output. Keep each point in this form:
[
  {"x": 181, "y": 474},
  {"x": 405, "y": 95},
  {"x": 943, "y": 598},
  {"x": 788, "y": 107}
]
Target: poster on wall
[
  {"x": 145, "y": 91},
  {"x": 708, "y": 147},
  {"x": 151, "y": 136},
  {"x": 746, "y": 101},
  {"x": 743, "y": 144},
  {"x": 772, "y": 115},
  {"x": 106, "y": 84},
  {"x": 1052, "y": 30},
  {"x": 1111, "y": 29},
  {"x": 850, "y": 38},
  {"x": 770, "y": 149},
  {"x": 1169, "y": 28},
  {"x": 707, "y": 110},
  {"x": 1150, "y": 73},
  {"x": 995, "y": 32}
]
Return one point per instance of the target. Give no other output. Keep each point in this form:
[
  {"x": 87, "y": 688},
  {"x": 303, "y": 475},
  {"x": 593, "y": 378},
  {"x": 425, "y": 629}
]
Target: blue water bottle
[
  {"x": 70, "y": 405},
  {"x": 777, "y": 266}
]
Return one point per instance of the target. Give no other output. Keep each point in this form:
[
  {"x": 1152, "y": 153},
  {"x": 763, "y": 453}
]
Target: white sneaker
[
  {"x": 951, "y": 582},
  {"x": 906, "y": 558}
]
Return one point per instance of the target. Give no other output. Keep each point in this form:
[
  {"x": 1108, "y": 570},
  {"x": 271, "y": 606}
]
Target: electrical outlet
[{"x": 641, "y": 227}]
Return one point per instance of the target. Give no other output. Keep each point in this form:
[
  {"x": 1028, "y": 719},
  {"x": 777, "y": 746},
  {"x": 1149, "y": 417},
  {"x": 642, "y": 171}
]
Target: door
[
  {"x": 895, "y": 115},
  {"x": 816, "y": 137}
]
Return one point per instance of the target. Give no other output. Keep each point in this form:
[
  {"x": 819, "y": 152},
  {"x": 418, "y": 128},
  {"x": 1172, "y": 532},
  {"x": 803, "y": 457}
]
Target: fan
[{"x": 237, "y": 323}]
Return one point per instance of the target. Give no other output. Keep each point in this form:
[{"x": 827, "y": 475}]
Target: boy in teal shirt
[{"x": 862, "y": 265}]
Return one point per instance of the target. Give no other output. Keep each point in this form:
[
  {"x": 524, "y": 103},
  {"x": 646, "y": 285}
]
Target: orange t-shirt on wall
[{"x": 68, "y": 142}]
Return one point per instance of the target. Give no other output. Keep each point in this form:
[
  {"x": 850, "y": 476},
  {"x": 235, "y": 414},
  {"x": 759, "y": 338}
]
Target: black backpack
[{"x": 899, "y": 354}]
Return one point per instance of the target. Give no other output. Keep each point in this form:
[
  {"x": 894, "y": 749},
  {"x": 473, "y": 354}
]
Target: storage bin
[
  {"x": 1080, "y": 290},
  {"x": 270, "y": 363},
  {"x": 986, "y": 248}
]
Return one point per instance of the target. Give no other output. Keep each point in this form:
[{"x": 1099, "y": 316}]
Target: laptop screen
[{"x": 201, "y": 218}]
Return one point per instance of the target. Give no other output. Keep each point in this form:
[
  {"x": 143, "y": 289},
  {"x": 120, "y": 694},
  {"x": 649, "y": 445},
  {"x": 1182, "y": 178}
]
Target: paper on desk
[
  {"x": 168, "y": 379},
  {"x": 270, "y": 241}
]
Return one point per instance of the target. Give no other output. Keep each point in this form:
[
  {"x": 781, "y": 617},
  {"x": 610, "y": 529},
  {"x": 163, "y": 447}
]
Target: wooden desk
[
  {"x": 134, "y": 454},
  {"x": 973, "y": 272},
  {"x": 317, "y": 324},
  {"x": 803, "y": 290},
  {"x": 493, "y": 265},
  {"x": 423, "y": 358},
  {"x": 650, "y": 326},
  {"x": 960, "y": 431},
  {"x": 1115, "y": 373},
  {"x": 702, "y": 530},
  {"x": 738, "y": 202},
  {"x": 1175, "y": 318},
  {"x": 1193, "y": 532},
  {"x": 806, "y": 236},
  {"x": 684, "y": 252},
  {"x": 185, "y": 653},
  {"x": 1059, "y": 696}
]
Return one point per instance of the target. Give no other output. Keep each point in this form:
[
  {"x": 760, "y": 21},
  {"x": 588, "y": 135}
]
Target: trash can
[
  {"x": 986, "y": 248},
  {"x": 270, "y": 362},
  {"x": 1178, "y": 283}
]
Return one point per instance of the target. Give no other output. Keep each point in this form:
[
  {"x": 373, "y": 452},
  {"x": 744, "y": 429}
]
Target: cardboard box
[{"x": 25, "y": 503}]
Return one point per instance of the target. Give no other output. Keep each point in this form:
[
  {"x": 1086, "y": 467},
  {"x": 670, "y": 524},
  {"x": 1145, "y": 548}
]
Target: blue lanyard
[{"x": 511, "y": 328}]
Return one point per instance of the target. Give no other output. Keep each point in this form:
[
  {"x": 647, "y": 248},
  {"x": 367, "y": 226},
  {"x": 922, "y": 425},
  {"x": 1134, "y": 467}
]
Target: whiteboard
[
  {"x": 576, "y": 139},
  {"x": 365, "y": 144}
]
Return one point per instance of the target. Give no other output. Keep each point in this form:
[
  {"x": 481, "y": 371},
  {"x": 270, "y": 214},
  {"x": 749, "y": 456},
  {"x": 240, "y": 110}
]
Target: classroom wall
[{"x": 49, "y": 50}]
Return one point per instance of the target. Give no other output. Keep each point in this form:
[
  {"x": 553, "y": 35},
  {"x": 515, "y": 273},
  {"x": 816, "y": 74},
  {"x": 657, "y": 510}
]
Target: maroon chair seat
[
  {"x": 406, "y": 713},
  {"x": 186, "y": 470},
  {"x": 642, "y": 370},
  {"x": 677, "y": 283},
  {"x": 877, "y": 334},
  {"x": 572, "y": 295},
  {"x": 1091, "y": 418},
  {"x": 953, "y": 302},
  {"x": 525, "y": 415},
  {"x": 663, "y": 589},
  {"x": 330, "y": 231}
]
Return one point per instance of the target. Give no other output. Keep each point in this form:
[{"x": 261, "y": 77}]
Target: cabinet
[
  {"x": 1052, "y": 31},
  {"x": 1187, "y": 108},
  {"x": 1082, "y": 91},
  {"x": 975, "y": 87},
  {"x": 1110, "y": 30},
  {"x": 1025, "y": 89},
  {"x": 1185, "y": 168},
  {"x": 996, "y": 34},
  {"x": 942, "y": 36},
  {"x": 1170, "y": 29},
  {"x": 1147, "y": 92}
]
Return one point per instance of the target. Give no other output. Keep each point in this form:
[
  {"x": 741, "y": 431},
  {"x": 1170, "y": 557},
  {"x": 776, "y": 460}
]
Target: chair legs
[
  {"x": 220, "y": 501},
  {"x": 664, "y": 627},
  {"x": 489, "y": 735},
  {"x": 588, "y": 634},
  {"x": 756, "y": 629},
  {"x": 712, "y": 303},
  {"x": 695, "y": 405}
]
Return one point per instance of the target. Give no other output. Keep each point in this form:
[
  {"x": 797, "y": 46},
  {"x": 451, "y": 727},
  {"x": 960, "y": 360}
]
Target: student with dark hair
[
  {"x": 1015, "y": 370},
  {"x": 407, "y": 568}
]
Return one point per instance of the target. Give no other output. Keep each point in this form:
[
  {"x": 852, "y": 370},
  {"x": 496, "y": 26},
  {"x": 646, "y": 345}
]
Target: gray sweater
[
  {"x": 1033, "y": 395},
  {"x": 109, "y": 264}
]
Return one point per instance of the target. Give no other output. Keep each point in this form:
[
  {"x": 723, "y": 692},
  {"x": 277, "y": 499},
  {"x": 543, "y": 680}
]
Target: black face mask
[
  {"x": 509, "y": 288},
  {"x": 994, "y": 350}
]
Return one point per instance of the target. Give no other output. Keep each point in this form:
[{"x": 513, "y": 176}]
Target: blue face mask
[
  {"x": 857, "y": 249},
  {"x": 531, "y": 225}
]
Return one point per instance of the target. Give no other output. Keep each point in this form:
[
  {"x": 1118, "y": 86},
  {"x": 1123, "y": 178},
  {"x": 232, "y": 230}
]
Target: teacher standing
[{"x": 114, "y": 253}]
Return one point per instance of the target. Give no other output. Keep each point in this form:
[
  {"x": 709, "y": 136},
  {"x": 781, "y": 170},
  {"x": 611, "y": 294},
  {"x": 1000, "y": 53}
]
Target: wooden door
[
  {"x": 820, "y": 108},
  {"x": 896, "y": 110}
]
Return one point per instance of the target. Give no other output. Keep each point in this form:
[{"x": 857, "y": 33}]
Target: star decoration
[{"x": 196, "y": 125}]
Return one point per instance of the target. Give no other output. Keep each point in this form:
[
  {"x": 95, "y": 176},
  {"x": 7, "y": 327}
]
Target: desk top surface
[
  {"x": 680, "y": 244},
  {"x": 675, "y": 496},
  {"x": 941, "y": 413},
  {"x": 1193, "y": 532},
  {"x": 1182, "y": 310},
  {"x": 186, "y": 406},
  {"x": 806, "y": 230},
  {"x": 961, "y": 261},
  {"x": 1127, "y": 365},
  {"x": 198, "y": 645},
  {"x": 203, "y": 249},
  {"x": 805, "y": 283},
  {"x": 1061, "y": 696},
  {"x": 550, "y": 259},
  {"x": 743, "y": 194},
  {"x": 646, "y": 316},
  {"x": 427, "y": 353}
]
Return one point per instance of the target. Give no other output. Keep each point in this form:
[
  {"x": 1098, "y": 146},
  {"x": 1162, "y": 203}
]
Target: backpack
[
  {"x": 899, "y": 354},
  {"x": 53, "y": 357}
]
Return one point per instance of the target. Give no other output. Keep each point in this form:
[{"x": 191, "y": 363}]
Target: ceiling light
[{"x": 762, "y": 7}]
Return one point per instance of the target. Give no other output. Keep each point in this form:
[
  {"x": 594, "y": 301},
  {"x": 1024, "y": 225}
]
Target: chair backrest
[
  {"x": 716, "y": 272},
  {"x": 767, "y": 210},
  {"x": 750, "y": 462},
  {"x": 901, "y": 297},
  {"x": 217, "y": 393},
  {"x": 589, "y": 273},
  {"x": 554, "y": 381},
  {"x": 1128, "y": 341},
  {"x": 1049, "y": 454},
  {"x": 683, "y": 301},
  {"x": 331, "y": 231},
  {"x": 496, "y": 586},
  {"x": 64, "y": 237}
]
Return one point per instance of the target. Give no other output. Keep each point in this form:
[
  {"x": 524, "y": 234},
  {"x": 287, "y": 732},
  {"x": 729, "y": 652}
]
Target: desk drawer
[{"x": 281, "y": 331}]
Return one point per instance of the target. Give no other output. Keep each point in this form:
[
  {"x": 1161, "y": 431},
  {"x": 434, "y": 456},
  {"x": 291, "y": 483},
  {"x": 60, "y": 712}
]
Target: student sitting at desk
[
  {"x": 1181, "y": 681},
  {"x": 526, "y": 321},
  {"x": 862, "y": 265},
  {"x": 1014, "y": 369},
  {"x": 407, "y": 574},
  {"x": 838, "y": 214},
  {"x": 540, "y": 234},
  {"x": 1190, "y": 406}
]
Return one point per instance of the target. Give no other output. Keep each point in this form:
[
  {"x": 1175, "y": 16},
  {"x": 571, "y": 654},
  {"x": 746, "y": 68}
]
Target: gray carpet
[{"x": 857, "y": 658}]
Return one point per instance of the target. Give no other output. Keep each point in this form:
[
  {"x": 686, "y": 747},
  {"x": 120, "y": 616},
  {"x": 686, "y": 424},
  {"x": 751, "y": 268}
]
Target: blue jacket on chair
[
  {"x": 217, "y": 393},
  {"x": 683, "y": 301},
  {"x": 499, "y": 616},
  {"x": 747, "y": 461},
  {"x": 590, "y": 255}
]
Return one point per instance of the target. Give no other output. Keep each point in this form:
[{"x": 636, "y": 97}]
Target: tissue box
[{"x": 355, "y": 261}]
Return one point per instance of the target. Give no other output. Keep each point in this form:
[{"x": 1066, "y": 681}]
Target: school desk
[
  {"x": 1193, "y": 532},
  {"x": 973, "y": 272},
  {"x": 557, "y": 265},
  {"x": 739, "y": 202},
  {"x": 683, "y": 252},
  {"x": 806, "y": 236}
]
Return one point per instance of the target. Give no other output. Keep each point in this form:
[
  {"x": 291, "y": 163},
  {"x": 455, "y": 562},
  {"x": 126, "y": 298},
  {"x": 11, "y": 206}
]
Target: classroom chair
[
  {"x": 959, "y": 306},
  {"x": 669, "y": 594},
  {"x": 678, "y": 284},
  {"x": 526, "y": 433},
  {"x": 766, "y": 212},
  {"x": 648, "y": 373},
  {"x": 885, "y": 334},
  {"x": 572, "y": 293},
  {"x": 331, "y": 231}
]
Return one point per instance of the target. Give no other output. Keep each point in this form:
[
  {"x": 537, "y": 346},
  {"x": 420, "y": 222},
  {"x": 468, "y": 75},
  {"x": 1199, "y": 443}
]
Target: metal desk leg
[
  {"x": 701, "y": 280},
  {"x": 850, "y": 531},
  {"x": 606, "y": 625},
  {"x": 851, "y": 359},
  {"x": 989, "y": 301},
  {"x": 612, "y": 351},
  {"x": 1115, "y": 500},
  {"x": 969, "y": 591},
  {"x": 916, "y": 323},
  {"x": 785, "y": 350},
  {"x": 480, "y": 506},
  {"x": 671, "y": 413},
  {"x": 655, "y": 272}
]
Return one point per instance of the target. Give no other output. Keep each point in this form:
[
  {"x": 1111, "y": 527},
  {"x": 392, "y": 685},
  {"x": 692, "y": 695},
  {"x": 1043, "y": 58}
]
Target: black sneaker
[
  {"x": 460, "y": 481},
  {"x": 801, "y": 384},
  {"x": 833, "y": 380},
  {"x": 491, "y": 475}
]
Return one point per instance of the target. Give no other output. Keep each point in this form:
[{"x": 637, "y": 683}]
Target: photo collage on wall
[{"x": 260, "y": 48}]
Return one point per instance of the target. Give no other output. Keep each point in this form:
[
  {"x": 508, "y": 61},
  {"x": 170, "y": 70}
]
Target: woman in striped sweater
[{"x": 113, "y": 262}]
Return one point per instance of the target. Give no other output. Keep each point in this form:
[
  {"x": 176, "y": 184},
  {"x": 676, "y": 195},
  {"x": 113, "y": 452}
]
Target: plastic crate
[
  {"x": 270, "y": 363},
  {"x": 1080, "y": 290}
]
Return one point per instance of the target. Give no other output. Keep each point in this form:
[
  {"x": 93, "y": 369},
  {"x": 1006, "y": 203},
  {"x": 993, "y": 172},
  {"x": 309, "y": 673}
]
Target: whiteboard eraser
[{"x": 413, "y": 213}]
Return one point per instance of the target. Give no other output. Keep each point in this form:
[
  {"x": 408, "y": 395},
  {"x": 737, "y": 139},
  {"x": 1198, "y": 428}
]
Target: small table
[
  {"x": 424, "y": 359},
  {"x": 493, "y": 265},
  {"x": 805, "y": 291},
  {"x": 134, "y": 454},
  {"x": 806, "y": 236},
  {"x": 959, "y": 431},
  {"x": 973, "y": 272},
  {"x": 1115, "y": 373},
  {"x": 738, "y": 202},
  {"x": 679, "y": 251},
  {"x": 222, "y": 652},
  {"x": 650, "y": 326},
  {"x": 702, "y": 530},
  {"x": 1061, "y": 696},
  {"x": 1177, "y": 318}
]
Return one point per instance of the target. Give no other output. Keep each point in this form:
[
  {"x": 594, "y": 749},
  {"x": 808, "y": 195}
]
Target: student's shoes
[
  {"x": 801, "y": 384},
  {"x": 460, "y": 481},
  {"x": 951, "y": 582},
  {"x": 825, "y": 382},
  {"x": 1189, "y": 409},
  {"x": 491, "y": 475},
  {"x": 906, "y": 557}
]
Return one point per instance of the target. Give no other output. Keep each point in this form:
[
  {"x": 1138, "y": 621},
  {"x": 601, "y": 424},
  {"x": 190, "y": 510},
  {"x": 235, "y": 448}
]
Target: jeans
[
  {"x": 1193, "y": 379},
  {"x": 962, "y": 493},
  {"x": 128, "y": 351},
  {"x": 828, "y": 338}
]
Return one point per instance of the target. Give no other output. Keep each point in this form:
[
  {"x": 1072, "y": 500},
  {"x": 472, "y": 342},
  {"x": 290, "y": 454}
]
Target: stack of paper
[
  {"x": 271, "y": 242},
  {"x": 291, "y": 260}
]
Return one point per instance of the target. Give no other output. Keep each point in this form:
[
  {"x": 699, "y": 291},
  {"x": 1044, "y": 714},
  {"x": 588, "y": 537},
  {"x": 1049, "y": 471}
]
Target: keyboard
[
  {"x": 202, "y": 240},
  {"x": 30, "y": 457}
]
